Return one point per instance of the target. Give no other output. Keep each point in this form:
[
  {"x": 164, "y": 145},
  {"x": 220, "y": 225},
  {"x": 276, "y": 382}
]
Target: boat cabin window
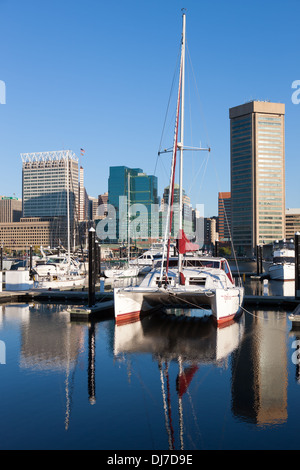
[
  {"x": 173, "y": 263},
  {"x": 197, "y": 281},
  {"x": 201, "y": 263}
]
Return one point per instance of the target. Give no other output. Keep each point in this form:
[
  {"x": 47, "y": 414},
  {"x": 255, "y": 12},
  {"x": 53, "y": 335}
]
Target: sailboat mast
[
  {"x": 180, "y": 145},
  {"x": 168, "y": 229}
]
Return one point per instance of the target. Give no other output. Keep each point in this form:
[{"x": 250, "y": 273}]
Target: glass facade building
[
  {"x": 257, "y": 174},
  {"x": 134, "y": 189}
]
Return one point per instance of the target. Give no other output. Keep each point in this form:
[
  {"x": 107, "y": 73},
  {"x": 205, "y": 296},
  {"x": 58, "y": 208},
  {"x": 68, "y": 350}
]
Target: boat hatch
[{"x": 197, "y": 281}]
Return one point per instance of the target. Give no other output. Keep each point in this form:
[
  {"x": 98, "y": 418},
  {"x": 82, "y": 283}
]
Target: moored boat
[
  {"x": 197, "y": 282},
  {"x": 283, "y": 265},
  {"x": 208, "y": 284}
]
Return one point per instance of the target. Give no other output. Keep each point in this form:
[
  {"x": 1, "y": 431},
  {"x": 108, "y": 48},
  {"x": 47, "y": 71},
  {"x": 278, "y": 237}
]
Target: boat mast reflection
[{"x": 187, "y": 341}]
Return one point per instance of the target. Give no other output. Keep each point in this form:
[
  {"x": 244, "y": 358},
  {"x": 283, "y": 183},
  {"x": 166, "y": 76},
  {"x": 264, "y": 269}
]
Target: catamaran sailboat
[{"x": 194, "y": 281}]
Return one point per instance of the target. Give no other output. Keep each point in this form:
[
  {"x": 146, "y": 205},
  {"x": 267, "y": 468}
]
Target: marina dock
[{"x": 104, "y": 302}]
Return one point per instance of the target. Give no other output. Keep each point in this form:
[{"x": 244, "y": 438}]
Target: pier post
[
  {"x": 261, "y": 248},
  {"x": 216, "y": 248},
  {"x": 99, "y": 260},
  {"x": 96, "y": 260},
  {"x": 91, "y": 297},
  {"x": 297, "y": 265},
  {"x": 259, "y": 259},
  {"x": 30, "y": 258}
]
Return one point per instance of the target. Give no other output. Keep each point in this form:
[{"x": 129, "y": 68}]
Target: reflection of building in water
[
  {"x": 14, "y": 313},
  {"x": 259, "y": 370},
  {"x": 271, "y": 287},
  {"x": 48, "y": 342}
]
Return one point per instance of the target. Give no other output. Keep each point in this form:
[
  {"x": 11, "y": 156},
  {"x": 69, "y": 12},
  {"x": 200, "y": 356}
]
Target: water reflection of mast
[
  {"x": 167, "y": 408},
  {"x": 68, "y": 401},
  {"x": 91, "y": 365},
  {"x": 180, "y": 405}
]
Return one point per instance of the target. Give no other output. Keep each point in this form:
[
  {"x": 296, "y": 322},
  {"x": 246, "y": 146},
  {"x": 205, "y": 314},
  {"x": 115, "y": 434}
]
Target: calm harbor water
[{"x": 165, "y": 383}]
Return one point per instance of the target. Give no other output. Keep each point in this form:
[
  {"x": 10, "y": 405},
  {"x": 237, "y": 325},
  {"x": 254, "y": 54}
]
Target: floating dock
[
  {"x": 85, "y": 312},
  {"x": 104, "y": 302}
]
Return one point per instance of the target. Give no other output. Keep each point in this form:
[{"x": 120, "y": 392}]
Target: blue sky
[{"x": 97, "y": 75}]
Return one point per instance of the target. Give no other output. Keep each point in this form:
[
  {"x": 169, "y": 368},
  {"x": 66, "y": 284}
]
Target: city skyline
[{"x": 105, "y": 87}]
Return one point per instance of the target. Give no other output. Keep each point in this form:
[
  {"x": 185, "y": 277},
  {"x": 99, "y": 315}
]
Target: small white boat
[
  {"x": 118, "y": 273},
  {"x": 147, "y": 260},
  {"x": 60, "y": 282},
  {"x": 283, "y": 265}
]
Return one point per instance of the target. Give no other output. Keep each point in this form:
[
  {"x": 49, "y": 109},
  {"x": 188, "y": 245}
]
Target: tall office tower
[
  {"x": 45, "y": 183},
  {"x": 10, "y": 209},
  {"x": 210, "y": 232},
  {"x": 257, "y": 174},
  {"x": 81, "y": 196},
  {"x": 102, "y": 206},
  {"x": 187, "y": 211},
  {"x": 93, "y": 207},
  {"x": 224, "y": 214},
  {"x": 133, "y": 187}
]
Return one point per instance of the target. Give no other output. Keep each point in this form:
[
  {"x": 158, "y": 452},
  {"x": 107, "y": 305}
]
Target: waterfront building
[
  {"x": 83, "y": 208},
  {"x": 102, "y": 204},
  {"x": 46, "y": 183},
  {"x": 292, "y": 223},
  {"x": 131, "y": 187},
  {"x": 224, "y": 216},
  {"x": 10, "y": 209},
  {"x": 33, "y": 231},
  {"x": 210, "y": 232},
  {"x": 93, "y": 207},
  {"x": 187, "y": 211},
  {"x": 257, "y": 174}
]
